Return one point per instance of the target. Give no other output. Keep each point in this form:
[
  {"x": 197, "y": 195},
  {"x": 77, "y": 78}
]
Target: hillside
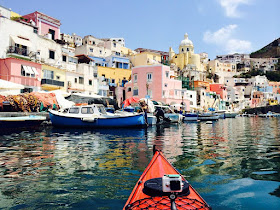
[{"x": 271, "y": 50}]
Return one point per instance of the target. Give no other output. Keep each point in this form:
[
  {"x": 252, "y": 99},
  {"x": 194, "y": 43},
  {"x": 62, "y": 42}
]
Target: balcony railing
[
  {"x": 18, "y": 50},
  {"x": 52, "y": 82}
]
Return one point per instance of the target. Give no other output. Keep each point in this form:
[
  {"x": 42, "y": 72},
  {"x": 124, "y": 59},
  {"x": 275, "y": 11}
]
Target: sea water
[{"x": 232, "y": 163}]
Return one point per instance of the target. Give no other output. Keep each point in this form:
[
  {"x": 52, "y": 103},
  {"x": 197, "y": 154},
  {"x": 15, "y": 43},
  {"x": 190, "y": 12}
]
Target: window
[
  {"x": 51, "y": 54},
  {"x": 165, "y": 85},
  {"x": 87, "y": 110},
  {"x": 149, "y": 77},
  {"x": 95, "y": 75},
  {"x": 81, "y": 80},
  {"x": 100, "y": 51},
  {"x": 48, "y": 74},
  {"x": 90, "y": 82},
  {"x": 64, "y": 58},
  {"x": 190, "y": 96},
  {"x": 163, "y": 93},
  {"x": 22, "y": 71},
  {"x": 135, "y": 77},
  {"x": 90, "y": 49},
  {"x": 167, "y": 74},
  {"x": 188, "y": 49},
  {"x": 58, "y": 77},
  {"x": 52, "y": 32},
  {"x": 74, "y": 110},
  {"x": 76, "y": 80},
  {"x": 129, "y": 89},
  {"x": 113, "y": 80},
  {"x": 135, "y": 92},
  {"x": 115, "y": 44}
]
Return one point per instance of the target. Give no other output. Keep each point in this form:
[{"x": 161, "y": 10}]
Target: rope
[{"x": 158, "y": 203}]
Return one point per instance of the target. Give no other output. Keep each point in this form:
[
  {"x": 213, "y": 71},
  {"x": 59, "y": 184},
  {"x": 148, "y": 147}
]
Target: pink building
[
  {"x": 257, "y": 99},
  {"x": 156, "y": 81},
  {"x": 23, "y": 72},
  {"x": 219, "y": 89},
  {"x": 46, "y": 24},
  {"x": 275, "y": 87}
]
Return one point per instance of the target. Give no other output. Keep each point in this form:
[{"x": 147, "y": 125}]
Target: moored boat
[
  {"x": 94, "y": 116},
  {"x": 190, "y": 117},
  {"x": 161, "y": 186},
  {"x": 230, "y": 114},
  {"x": 21, "y": 121},
  {"x": 206, "y": 116},
  {"x": 170, "y": 114}
]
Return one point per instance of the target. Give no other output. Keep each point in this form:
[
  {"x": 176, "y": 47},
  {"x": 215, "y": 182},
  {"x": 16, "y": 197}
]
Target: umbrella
[{"x": 129, "y": 101}]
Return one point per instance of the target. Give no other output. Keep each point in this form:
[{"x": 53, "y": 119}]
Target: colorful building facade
[{"x": 22, "y": 72}]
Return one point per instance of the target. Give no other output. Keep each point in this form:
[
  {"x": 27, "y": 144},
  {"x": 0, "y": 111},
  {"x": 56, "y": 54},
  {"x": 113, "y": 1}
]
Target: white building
[{"x": 5, "y": 12}]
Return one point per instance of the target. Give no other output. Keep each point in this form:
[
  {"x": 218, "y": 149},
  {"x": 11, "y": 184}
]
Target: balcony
[
  {"x": 18, "y": 51},
  {"x": 52, "y": 82}
]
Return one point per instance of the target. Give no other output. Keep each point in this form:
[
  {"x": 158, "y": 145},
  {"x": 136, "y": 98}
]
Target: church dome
[{"x": 186, "y": 41}]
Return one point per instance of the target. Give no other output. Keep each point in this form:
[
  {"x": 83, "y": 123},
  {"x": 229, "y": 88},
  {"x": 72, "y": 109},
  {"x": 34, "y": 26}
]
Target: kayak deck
[{"x": 158, "y": 167}]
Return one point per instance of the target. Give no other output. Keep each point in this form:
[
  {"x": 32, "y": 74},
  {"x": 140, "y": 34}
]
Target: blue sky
[{"x": 215, "y": 26}]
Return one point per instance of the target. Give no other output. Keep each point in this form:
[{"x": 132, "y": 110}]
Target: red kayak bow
[{"x": 157, "y": 199}]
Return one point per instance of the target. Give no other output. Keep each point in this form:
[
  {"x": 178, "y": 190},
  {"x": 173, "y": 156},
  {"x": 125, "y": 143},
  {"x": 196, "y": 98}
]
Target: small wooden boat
[
  {"x": 190, "y": 117},
  {"x": 158, "y": 188},
  {"x": 21, "y": 121},
  {"x": 206, "y": 116},
  {"x": 94, "y": 116},
  {"x": 170, "y": 114},
  {"x": 230, "y": 114}
]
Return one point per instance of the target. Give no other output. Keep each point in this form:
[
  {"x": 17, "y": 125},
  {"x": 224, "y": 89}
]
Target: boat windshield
[
  {"x": 74, "y": 110},
  {"x": 87, "y": 110},
  {"x": 101, "y": 109}
]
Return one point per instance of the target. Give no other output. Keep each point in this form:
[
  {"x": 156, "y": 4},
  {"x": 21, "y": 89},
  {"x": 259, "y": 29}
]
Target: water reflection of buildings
[{"x": 168, "y": 139}]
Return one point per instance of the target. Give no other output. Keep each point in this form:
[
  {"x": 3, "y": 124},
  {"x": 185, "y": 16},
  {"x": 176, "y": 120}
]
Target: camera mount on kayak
[
  {"x": 171, "y": 185},
  {"x": 166, "y": 185}
]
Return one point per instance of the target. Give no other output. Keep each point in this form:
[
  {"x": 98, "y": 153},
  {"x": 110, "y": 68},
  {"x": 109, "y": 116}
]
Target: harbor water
[{"x": 232, "y": 163}]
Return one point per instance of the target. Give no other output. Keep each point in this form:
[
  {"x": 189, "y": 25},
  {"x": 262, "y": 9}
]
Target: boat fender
[
  {"x": 88, "y": 119},
  {"x": 153, "y": 187}
]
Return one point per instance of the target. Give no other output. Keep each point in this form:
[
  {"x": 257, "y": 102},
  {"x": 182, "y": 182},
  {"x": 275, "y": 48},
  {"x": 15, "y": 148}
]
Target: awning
[
  {"x": 28, "y": 70},
  {"x": 20, "y": 41},
  {"x": 4, "y": 84},
  {"x": 35, "y": 71}
]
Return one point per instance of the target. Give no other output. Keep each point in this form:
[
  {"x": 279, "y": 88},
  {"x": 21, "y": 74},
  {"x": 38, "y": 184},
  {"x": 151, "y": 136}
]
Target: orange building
[{"x": 202, "y": 84}]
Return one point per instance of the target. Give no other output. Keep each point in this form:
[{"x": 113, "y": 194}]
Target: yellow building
[
  {"x": 145, "y": 58},
  {"x": 216, "y": 66},
  {"x": 53, "y": 78},
  {"x": 186, "y": 55},
  {"x": 114, "y": 75},
  {"x": 15, "y": 15}
]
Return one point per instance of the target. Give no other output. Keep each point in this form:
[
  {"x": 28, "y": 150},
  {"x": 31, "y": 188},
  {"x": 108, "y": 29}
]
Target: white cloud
[
  {"x": 230, "y": 7},
  {"x": 219, "y": 36},
  {"x": 235, "y": 45},
  {"x": 224, "y": 39}
]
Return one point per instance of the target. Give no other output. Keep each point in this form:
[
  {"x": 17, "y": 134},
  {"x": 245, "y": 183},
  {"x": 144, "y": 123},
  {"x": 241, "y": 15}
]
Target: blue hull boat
[
  {"x": 190, "y": 117},
  {"x": 21, "y": 122},
  {"x": 94, "y": 116}
]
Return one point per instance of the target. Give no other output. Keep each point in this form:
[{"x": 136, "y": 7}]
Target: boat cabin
[{"x": 96, "y": 109}]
